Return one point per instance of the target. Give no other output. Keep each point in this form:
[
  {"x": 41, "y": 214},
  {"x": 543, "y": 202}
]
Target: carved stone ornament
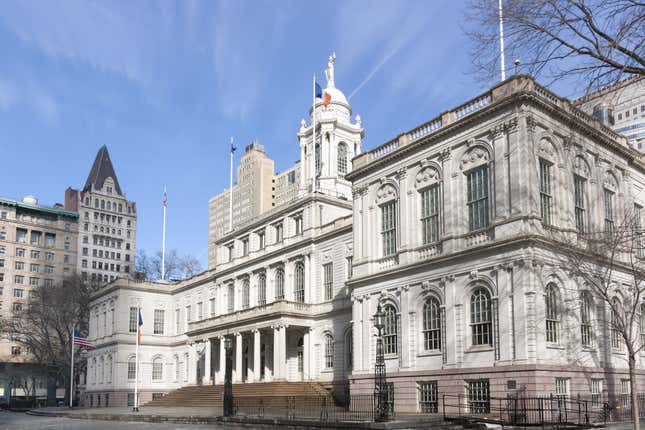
[
  {"x": 474, "y": 157},
  {"x": 385, "y": 193},
  {"x": 609, "y": 180},
  {"x": 546, "y": 150},
  {"x": 580, "y": 166},
  {"x": 427, "y": 176},
  {"x": 326, "y": 256}
]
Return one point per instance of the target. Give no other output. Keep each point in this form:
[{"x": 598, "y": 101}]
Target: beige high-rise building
[
  {"x": 37, "y": 249},
  {"x": 107, "y": 223},
  {"x": 253, "y": 194}
]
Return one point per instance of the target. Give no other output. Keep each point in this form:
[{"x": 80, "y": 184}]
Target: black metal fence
[
  {"x": 320, "y": 408},
  {"x": 518, "y": 410},
  {"x": 614, "y": 407}
]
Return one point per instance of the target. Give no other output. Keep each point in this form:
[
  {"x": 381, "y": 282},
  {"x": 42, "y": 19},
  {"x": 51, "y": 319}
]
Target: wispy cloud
[{"x": 30, "y": 95}]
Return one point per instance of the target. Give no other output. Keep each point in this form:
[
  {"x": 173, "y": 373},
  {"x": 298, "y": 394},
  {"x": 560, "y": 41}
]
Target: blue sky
[{"x": 164, "y": 84}]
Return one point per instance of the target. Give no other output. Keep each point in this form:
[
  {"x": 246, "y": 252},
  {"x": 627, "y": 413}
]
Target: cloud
[{"x": 14, "y": 94}]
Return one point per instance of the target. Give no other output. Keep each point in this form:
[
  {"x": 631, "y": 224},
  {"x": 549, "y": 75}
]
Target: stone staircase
[{"x": 211, "y": 395}]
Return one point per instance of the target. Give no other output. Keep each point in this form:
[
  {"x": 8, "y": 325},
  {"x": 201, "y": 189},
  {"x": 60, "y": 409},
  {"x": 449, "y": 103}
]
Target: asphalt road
[{"x": 21, "y": 421}]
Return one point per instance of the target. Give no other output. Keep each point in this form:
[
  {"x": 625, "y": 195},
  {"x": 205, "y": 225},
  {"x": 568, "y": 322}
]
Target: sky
[{"x": 165, "y": 84}]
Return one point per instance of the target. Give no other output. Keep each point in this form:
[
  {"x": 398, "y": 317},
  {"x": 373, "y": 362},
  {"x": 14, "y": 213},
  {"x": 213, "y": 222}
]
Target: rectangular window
[
  {"x": 596, "y": 392},
  {"x": 3, "y": 249},
  {"x": 132, "y": 370},
  {"x": 34, "y": 267},
  {"x": 231, "y": 298},
  {"x": 212, "y": 306},
  {"x": 230, "y": 248},
  {"x": 49, "y": 256},
  {"x": 50, "y": 240},
  {"x": 328, "y": 272},
  {"x": 430, "y": 214},
  {"x": 579, "y": 185},
  {"x": 33, "y": 282},
  {"x": 261, "y": 239},
  {"x": 609, "y": 211},
  {"x": 562, "y": 387},
  {"x": 388, "y": 228},
  {"x": 350, "y": 267},
  {"x": 35, "y": 237},
  {"x": 245, "y": 246},
  {"x": 200, "y": 311},
  {"x": 546, "y": 192},
  {"x": 19, "y": 265},
  {"x": 262, "y": 289},
  {"x": 478, "y": 396},
  {"x": 18, "y": 293},
  {"x": 21, "y": 235},
  {"x": 428, "y": 397},
  {"x": 279, "y": 233},
  {"x": 132, "y": 326},
  {"x": 477, "y": 193},
  {"x": 188, "y": 315},
  {"x": 297, "y": 220},
  {"x": 18, "y": 279},
  {"x": 20, "y": 252},
  {"x": 3, "y": 235},
  {"x": 159, "y": 321},
  {"x": 35, "y": 254}
]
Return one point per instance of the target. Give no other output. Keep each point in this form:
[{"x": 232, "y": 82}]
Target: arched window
[
  {"x": 349, "y": 349},
  {"x": 388, "y": 227},
  {"x": 279, "y": 284},
  {"x": 579, "y": 201},
  {"x": 478, "y": 186},
  {"x": 262, "y": 289},
  {"x": 432, "y": 324},
  {"x": 177, "y": 370},
  {"x": 616, "y": 339},
  {"x": 586, "y": 309},
  {"x": 342, "y": 158},
  {"x": 157, "y": 369},
  {"x": 430, "y": 222},
  {"x": 552, "y": 314},
  {"x": 329, "y": 351},
  {"x": 132, "y": 369},
  {"x": 299, "y": 283},
  {"x": 102, "y": 204},
  {"x": 246, "y": 294},
  {"x": 481, "y": 321},
  {"x": 318, "y": 160},
  {"x": 109, "y": 205},
  {"x": 390, "y": 332}
]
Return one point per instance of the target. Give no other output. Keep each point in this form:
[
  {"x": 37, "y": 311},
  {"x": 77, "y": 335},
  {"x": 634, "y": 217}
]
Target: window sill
[
  {"x": 479, "y": 348},
  {"x": 432, "y": 353},
  {"x": 391, "y": 356},
  {"x": 555, "y": 346}
]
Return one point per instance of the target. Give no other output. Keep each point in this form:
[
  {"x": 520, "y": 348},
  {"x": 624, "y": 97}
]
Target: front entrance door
[{"x": 301, "y": 360}]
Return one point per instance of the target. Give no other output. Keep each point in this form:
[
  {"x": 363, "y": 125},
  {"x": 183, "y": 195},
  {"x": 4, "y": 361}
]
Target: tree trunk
[{"x": 634, "y": 391}]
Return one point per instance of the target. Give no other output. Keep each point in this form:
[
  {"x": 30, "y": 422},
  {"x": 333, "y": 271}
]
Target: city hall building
[{"x": 447, "y": 227}]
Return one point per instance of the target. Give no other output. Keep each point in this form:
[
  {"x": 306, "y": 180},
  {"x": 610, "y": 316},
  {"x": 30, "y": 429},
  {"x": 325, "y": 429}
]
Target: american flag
[
  {"x": 165, "y": 198},
  {"x": 82, "y": 341}
]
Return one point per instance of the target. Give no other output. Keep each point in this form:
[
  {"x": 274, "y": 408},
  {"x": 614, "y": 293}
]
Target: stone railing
[
  {"x": 428, "y": 251},
  {"x": 478, "y": 237},
  {"x": 387, "y": 262},
  {"x": 516, "y": 84}
]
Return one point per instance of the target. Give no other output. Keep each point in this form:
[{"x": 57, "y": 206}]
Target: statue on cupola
[{"x": 325, "y": 162}]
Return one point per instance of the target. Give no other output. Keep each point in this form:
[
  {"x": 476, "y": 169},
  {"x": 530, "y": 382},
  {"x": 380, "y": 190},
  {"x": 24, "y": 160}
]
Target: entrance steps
[{"x": 211, "y": 395}]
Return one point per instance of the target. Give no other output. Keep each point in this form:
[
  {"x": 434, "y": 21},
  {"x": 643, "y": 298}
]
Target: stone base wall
[
  {"x": 531, "y": 380},
  {"x": 117, "y": 398}
]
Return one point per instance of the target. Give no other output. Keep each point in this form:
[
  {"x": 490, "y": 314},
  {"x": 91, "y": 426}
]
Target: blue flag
[{"x": 318, "y": 91}]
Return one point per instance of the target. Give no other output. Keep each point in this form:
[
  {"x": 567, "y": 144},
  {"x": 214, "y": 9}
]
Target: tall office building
[
  {"x": 621, "y": 107},
  {"x": 38, "y": 246},
  {"x": 107, "y": 223},
  {"x": 252, "y": 194}
]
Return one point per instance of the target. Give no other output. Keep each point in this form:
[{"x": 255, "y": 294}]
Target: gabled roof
[{"x": 101, "y": 170}]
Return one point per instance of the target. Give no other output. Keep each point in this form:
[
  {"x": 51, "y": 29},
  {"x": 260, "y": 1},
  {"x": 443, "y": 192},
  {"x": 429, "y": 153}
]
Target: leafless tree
[
  {"x": 597, "y": 42},
  {"x": 45, "y": 325},
  {"x": 176, "y": 266},
  {"x": 609, "y": 265}
]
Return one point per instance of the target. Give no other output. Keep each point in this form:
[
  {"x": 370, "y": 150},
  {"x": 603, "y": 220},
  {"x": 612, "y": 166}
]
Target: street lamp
[
  {"x": 228, "y": 380},
  {"x": 382, "y": 408}
]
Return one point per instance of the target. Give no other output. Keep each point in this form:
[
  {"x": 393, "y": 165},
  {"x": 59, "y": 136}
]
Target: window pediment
[
  {"x": 427, "y": 176},
  {"x": 581, "y": 167},
  {"x": 474, "y": 157},
  {"x": 386, "y": 193}
]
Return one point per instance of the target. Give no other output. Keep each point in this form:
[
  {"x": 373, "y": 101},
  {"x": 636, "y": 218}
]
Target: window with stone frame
[
  {"x": 299, "y": 283},
  {"x": 388, "y": 227},
  {"x": 328, "y": 280},
  {"x": 342, "y": 158},
  {"x": 230, "y": 295},
  {"x": 390, "y": 330},
  {"x": 478, "y": 189},
  {"x": 279, "y": 284},
  {"x": 428, "y": 397},
  {"x": 431, "y": 324},
  {"x": 430, "y": 214},
  {"x": 246, "y": 293},
  {"x": 262, "y": 289},
  {"x": 615, "y": 328},
  {"x": 481, "y": 317},
  {"x": 609, "y": 210},
  {"x": 552, "y": 313},
  {"x": 132, "y": 324},
  {"x": 132, "y": 368},
  {"x": 157, "y": 369},
  {"x": 586, "y": 311},
  {"x": 579, "y": 190},
  {"x": 329, "y": 351},
  {"x": 159, "y": 321},
  {"x": 546, "y": 191}
]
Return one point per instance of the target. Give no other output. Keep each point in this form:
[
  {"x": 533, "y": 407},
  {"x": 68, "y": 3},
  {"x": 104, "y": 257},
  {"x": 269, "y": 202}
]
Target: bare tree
[
  {"x": 597, "y": 42},
  {"x": 609, "y": 265},
  {"x": 45, "y": 325},
  {"x": 176, "y": 266}
]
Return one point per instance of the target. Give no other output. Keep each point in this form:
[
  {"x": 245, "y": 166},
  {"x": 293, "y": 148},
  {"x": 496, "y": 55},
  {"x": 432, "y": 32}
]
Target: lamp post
[
  {"x": 381, "y": 406},
  {"x": 228, "y": 380}
]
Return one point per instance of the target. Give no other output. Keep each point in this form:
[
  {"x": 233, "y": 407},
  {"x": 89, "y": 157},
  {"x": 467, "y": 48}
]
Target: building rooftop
[
  {"x": 39, "y": 208},
  {"x": 101, "y": 170}
]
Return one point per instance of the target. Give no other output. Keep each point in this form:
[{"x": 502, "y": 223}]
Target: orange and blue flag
[{"x": 139, "y": 328}]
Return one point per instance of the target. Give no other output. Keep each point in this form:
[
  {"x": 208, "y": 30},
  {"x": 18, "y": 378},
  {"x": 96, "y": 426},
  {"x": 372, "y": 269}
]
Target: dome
[{"x": 337, "y": 95}]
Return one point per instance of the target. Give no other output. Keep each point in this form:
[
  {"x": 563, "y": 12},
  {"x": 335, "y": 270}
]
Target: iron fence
[
  {"x": 320, "y": 408},
  {"x": 518, "y": 410},
  {"x": 609, "y": 407}
]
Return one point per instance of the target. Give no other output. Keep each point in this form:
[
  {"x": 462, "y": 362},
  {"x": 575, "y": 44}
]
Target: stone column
[
  {"x": 405, "y": 327},
  {"x": 207, "y": 363},
  {"x": 222, "y": 361},
  {"x": 237, "y": 374},
  {"x": 306, "y": 353},
  {"x": 308, "y": 283},
  {"x": 357, "y": 334},
  {"x": 279, "y": 355},
  {"x": 302, "y": 165},
  {"x": 192, "y": 357},
  {"x": 256, "y": 354}
]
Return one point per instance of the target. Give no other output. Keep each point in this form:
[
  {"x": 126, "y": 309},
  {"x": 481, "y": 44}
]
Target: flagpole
[
  {"x": 163, "y": 238},
  {"x": 71, "y": 377},
  {"x": 136, "y": 366},
  {"x": 230, "y": 190},
  {"x": 501, "y": 41},
  {"x": 313, "y": 146}
]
